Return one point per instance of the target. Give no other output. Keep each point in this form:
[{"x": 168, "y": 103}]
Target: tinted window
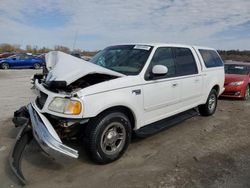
[
  {"x": 164, "y": 56},
  {"x": 237, "y": 69},
  {"x": 15, "y": 56},
  {"x": 211, "y": 58},
  {"x": 185, "y": 62},
  {"x": 27, "y": 56},
  {"x": 22, "y": 56}
]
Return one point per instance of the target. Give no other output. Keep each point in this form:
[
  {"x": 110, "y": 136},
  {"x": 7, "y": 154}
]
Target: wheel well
[
  {"x": 217, "y": 88},
  {"x": 127, "y": 111}
]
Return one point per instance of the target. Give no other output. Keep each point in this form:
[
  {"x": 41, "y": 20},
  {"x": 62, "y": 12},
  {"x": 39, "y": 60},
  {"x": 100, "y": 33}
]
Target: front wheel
[
  {"x": 107, "y": 137},
  {"x": 5, "y": 66},
  {"x": 209, "y": 107},
  {"x": 246, "y": 97},
  {"x": 36, "y": 66}
]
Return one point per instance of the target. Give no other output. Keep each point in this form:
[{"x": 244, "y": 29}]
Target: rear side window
[
  {"x": 185, "y": 62},
  {"x": 21, "y": 56},
  {"x": 211, "y": 58}
]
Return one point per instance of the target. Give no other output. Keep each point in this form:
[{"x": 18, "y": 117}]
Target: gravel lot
[{"x": 200, "y": 152}]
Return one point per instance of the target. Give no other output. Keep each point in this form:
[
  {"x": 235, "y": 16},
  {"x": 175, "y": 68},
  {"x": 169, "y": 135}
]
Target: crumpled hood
[{"x": 65, "y": 67}]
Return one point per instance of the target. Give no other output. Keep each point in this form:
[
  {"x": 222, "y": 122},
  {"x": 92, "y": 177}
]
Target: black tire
[
  {"x": 247, "y": 93},
  {"x": 36, "y": 66},
  {"x": 209, "y": 107},
  {"x": 98, "y": 139},
  {"x": 5, "y": 66}
]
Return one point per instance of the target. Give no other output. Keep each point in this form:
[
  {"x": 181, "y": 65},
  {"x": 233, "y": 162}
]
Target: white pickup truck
[{"x": 124, "y": 89}]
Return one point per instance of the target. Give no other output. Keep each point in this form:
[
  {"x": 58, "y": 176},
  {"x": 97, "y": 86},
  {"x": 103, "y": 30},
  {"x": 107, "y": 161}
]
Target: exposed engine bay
[{"x": 88, "y": 80}]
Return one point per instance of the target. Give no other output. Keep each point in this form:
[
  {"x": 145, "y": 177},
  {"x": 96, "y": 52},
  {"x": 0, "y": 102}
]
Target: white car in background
[{"x": 140, "y": 88}]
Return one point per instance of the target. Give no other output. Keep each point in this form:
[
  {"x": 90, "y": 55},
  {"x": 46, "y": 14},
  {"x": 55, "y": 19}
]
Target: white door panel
[
  {"x": 161, "y": 94},
  {"x": 191, "y": 88},
  {"x": 180, "y": 91}
]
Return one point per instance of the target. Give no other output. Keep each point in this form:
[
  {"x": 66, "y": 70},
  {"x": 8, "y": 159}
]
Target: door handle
[
  {"x": 174, "y": 85},
  {"x": 136, "y": 91}
]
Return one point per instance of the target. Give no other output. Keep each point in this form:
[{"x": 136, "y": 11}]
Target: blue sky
[{"x": 222, "y": 24}]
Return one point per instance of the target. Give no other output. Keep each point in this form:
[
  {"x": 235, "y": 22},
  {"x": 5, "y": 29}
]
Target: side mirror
[{"x": 159, "y": 70}]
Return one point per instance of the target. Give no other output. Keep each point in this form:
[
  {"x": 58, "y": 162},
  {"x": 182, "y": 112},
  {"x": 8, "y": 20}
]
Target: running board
[{"x": 165, "y": 123}]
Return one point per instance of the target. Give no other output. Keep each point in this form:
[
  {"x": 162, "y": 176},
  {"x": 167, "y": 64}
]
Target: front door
[{"x": 161, "y": 94}]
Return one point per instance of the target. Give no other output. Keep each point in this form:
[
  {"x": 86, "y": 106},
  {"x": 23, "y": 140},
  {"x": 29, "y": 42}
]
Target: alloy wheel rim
[
  {"x": 5, "y": 66},
  {"x": 113, "y": 138},
  {"x": 212, "y": 102}
]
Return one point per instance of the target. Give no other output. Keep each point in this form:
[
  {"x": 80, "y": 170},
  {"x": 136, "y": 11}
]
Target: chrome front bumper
[
  {"x": 46, "y": 136},
  {"x": 35, "y": 124}
]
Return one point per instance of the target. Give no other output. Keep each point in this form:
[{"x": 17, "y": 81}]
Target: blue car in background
[{"x": 21, "y": 61}]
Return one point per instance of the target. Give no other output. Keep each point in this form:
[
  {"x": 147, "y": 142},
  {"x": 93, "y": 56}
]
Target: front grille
[{"x": 40, "y": 100}]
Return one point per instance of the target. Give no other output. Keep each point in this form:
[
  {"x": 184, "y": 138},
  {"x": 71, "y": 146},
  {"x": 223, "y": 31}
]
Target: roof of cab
[{"x": 168, "y": 44}]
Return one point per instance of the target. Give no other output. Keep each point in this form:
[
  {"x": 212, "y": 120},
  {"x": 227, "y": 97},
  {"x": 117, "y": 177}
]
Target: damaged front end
[
  {"x": 47, "y": 119},
  {"x": 34, "y": 124}
]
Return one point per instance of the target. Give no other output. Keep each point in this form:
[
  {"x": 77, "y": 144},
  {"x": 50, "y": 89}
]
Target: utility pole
[{"x": 76, "y": 33}]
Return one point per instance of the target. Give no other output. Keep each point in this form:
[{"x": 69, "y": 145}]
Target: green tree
[
  {"x": 7, "y": 48},
  {"x": 43, "y": 50},
  {"x": 62, "y": 48}
]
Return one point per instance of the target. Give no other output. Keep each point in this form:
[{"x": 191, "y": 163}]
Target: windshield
[
  {"x": 236, "y": 69},
  {"x": 125, "y": 59},
  {"x": 12, "y": 56}
]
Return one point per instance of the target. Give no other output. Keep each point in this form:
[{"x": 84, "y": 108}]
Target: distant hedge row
[
  {"x": 36, "y": 50},
  {"x": 235, "y": 55}
]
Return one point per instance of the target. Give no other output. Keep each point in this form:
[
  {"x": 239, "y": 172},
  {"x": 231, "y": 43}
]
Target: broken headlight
[{"x": 65, "y": 106}]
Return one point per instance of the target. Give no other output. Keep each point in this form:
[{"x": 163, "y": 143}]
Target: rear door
[
  {"x": 188, "y": 71},
  {"x": 22, "y": 62},
  {"x": 28, "y": 60}
]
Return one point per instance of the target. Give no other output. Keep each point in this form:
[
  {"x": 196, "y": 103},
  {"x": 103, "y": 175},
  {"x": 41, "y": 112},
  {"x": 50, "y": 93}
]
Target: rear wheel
[
  {"x": 5, "y": 66},
  {"x": 107, "y": 137},
  {"x": 246, "y": 97},
  {"x": 36, "y": 66},
  {"x": 209, "y": 107}
]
